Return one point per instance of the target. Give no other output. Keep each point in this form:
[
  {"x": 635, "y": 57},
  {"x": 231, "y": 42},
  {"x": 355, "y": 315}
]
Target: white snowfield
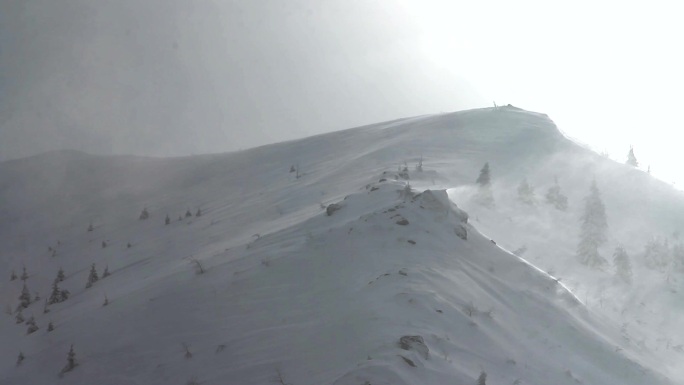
[{"x": 266, "y": 288}]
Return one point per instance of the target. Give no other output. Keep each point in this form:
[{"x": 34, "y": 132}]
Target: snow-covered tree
[
  {"x": 71, "y": 360},
  {"x": 50, "y": 327},
  {"x": 19, "y": 318},
  {"x": 20, "y": 358},
  {"x": 56, "y": 294},
  {"x": 593, "y": 229},
  {"x": 32, "y": 327},
  {"x": 623, "y": 267},
  {"x": 485, "y": 178},
  {"x": 24, "y": 274},
  {"x": 657, "y": 254},
  {"x": 526, "y": 193},
  {"x": 60, "y": 275},
  {"x": 13, "y": 276},
  {"x": 482, "y": 380},
  {"x": 631, "y": 159},
  {"x": 106, "y": 273},
  {"x": 167, "y": 220},
  {"x": 198, "y": 213},
  {"x": 90, "y": 227},
  {"x": 144, "y": 214},
  {"x": 555, "y": 197},
  {"x": 25, "y": 297},
  {"x": 104, "y": 244},
  {"x": 188, "y": 213},
  {"x": 92, "y": 277}
]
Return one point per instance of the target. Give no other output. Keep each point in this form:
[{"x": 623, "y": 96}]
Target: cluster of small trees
[
  {"x": 526, "y": 194},
  {"x": 188, "y": 214}
]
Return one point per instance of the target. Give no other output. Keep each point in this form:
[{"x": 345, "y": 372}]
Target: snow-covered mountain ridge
[{"x": 291, "y": 294}]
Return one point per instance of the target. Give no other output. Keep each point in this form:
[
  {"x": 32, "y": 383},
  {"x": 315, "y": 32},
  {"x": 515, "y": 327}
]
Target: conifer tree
[
  {"x": 71, "y": 360},
  {"x": 19, "y": 318},
  {"x": 657, "y": 255},
  {"x": 50, "y": 327},
  {"x": 631, "y": 159},
  {"x": 104, "y": 244},
  {"x": 56, "y": 294},
  {"x": 198, "y": 213},
  {"x": 167, "y": 220},
  {"x": 90, "y": 227},
  {"x": 25, "y": 297},
  {"x": 13, "y": 276},
  {"x": 188, "y": 213},
  {"x": 93, "y": 277},
  {"x": 20, "y": 358},
  {"x": 526, "y": 193},
  {"x": 46, "y": 309},
  {"x": 484, "y": 194},
  {"x": 60, "y": 275},
  {"x": 482, "y": 380},
  {"x": 593, "y": 230},
  {"x": 623, "y": 267},
  {"x": 144, "y": 214},
  {"x": 32, "y": 327},
  {"x": 555, "y": 197},
  {"x": 24, "y": 274},
  {"x": 484, "y": 179},
  {"x": 105, "y": 273},
  {"x": 106, "y": 301}
]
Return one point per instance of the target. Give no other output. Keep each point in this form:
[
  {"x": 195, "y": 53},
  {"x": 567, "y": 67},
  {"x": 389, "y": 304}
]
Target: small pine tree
[
  {"x": 105, "y": 273},
  {"x": 482, "y": 380},
  {"x": 24, "y": 274},
  {"x": 526, "y": 193},
  {"x": 657, "y": 255},
  {"x": 71, "y": 360},
  {"x": 106, "y": 301},
  {"x": 20, "y": 358},
  {"x": 485, "y": 178},
  {"x": 167, "y": 220},
  {"x": 90, "y": 227},
  {"x": 64, "y": 295},
  {"x": 46, "y": 309},
  {"x": 25, "y": 297},
  {"x": 623, "y": 267},
  {"x": 180, "y": 217},
  {"x": 104, "y": 244},
  {"x": 128, "y": 245},
  {"x": 188, "y": 213},
  {"x": 13, "y": 276},
  {"x": 60, "y": 275},
  {"x": 50, "y": 327},
  {"x": 19, "y": 318},
  {"x": 32, "y": 327},
  {"x": 36, "y": 297},
  {"x": 198, "y": 213},
  {"x": 144, "y": 214},
  {"x": 56, "y": 294},
  {"x": 593, "y": 229},
  {"x": 631, "y": 159},
  {"x": 92, "y": 277},
  {"x": 555, "y": 197}
]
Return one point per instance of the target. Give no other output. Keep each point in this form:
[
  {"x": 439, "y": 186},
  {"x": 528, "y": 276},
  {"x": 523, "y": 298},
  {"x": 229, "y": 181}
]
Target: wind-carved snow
[{"x": 269, "y": 287}]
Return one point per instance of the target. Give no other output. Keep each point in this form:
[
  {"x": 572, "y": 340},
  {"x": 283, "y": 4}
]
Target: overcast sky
[{"x": 178, "y": 77}]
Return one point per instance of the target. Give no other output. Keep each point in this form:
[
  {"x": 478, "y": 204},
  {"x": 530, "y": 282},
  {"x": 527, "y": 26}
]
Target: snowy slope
[{"x": 290, "y": 294}]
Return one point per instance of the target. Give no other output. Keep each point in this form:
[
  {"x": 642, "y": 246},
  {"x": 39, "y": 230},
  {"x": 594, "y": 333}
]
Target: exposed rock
[
  {"x": 332, "y": 208},
  {"x": 415, "y": 343},
  {"x": 402, "y": 222},
  {"x": 461, "y": 232}
]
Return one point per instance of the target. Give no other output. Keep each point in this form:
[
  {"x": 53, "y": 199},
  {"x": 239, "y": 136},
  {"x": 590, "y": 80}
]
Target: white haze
[{"x": 174, "y": 78}]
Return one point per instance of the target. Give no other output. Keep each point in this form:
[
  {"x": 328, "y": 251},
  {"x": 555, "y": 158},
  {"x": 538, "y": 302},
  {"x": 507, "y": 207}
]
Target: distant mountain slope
[{"x": 288, "y": 290}]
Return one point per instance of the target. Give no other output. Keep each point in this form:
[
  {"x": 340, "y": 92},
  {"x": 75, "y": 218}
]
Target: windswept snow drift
[{"x": 265, "y": 287}]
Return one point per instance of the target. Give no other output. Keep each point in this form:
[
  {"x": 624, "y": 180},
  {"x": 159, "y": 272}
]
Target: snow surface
[{"x": 292, "y": 295}]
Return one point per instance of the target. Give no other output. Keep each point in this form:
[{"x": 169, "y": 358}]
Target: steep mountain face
[{"x": 354, "y": 271}]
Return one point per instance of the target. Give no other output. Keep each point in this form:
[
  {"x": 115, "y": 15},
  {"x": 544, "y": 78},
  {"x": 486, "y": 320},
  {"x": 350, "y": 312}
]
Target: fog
[
  {"x": 177, "y": 77},
  {"x": 171, "y": 77}
]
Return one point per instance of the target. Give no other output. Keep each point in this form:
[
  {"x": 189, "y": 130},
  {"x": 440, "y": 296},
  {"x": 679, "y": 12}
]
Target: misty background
[{"x": 174, "y": 77}]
